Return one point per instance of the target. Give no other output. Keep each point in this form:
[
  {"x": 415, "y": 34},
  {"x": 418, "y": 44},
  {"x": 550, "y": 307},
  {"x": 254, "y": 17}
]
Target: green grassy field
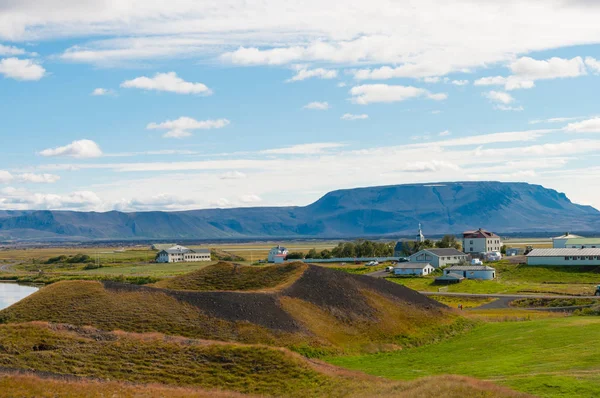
[
  {"x": 512, "y": 278},
  {"x": 550, "y": 358}
]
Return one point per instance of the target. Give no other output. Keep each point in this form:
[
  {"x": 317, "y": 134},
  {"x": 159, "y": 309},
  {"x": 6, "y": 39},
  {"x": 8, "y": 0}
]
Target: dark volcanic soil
[{"x": 336, "y": 291}]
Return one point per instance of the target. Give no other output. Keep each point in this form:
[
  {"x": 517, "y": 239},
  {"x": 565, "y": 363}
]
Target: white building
[
  {"x": 420, "y": 236},
  {"x": 560, "y": 241},
  {"x": 564, "y": 257},
  {"x": 582, "y": 243},
  {"x": 420, "y": 269},
  {"x": 481, "y": 241},
  {"x": 482, "y": 272},
  {"x": 439, "y": 257},
  {"x": 178, "y": 254},
  {"x": 277, "y": 254}
]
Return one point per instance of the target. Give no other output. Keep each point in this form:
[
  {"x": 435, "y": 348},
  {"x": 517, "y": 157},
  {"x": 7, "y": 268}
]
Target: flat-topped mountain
[{"x": 389, "y": 210}]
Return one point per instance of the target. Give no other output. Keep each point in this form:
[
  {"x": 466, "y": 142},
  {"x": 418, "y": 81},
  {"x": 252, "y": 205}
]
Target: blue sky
[{"x": 187, "y": 104}]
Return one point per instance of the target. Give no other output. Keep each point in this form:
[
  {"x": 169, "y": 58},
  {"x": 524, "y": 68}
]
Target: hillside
[
  {"x": 392, "y": 210},
  {"x": 322, "y": 311},
  {"x": 178, "y": 367}
]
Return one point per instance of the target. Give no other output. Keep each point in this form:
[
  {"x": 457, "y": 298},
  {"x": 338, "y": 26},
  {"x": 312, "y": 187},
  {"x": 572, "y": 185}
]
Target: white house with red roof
[{"x": 481, "y": 241}]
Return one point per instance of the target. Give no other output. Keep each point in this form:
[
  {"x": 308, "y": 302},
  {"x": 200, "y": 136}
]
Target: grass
[
  {"x": 550, "y": 357},
  {"x": 514, "y": 279},
  {"x": 543, "y": 303},
  {"x": 88, "y": 303},
  {"x": 176, "y": 367},
  {"x": 229, "y": 277},
  {"x": 466, "y": 302}
]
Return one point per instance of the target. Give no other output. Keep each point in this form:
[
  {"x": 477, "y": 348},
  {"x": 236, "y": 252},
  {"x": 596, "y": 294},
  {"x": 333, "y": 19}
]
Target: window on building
[{"x": 567, "y": 258}]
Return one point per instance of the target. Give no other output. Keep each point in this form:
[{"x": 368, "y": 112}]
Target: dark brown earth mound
[
  {"x": 232, "y": 277},
  {"x": 324, "y": 310}
]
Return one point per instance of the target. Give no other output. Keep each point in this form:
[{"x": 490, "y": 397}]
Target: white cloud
[
  {"x": 233, "y": 175},
  {"x": 585, "y": 126},
  {"x": 553, "y": 68},
  {"x": 509, "y": 108},
  {"x": 182, "y": 127},
  {"x": 429, "y": 73},
  {"x": 21, "y": 69},
  {"x": 250, "y": 198},
  {"x": 430, "y": 166},
  {"x": 320, "y": 73},
  {"x": 5, "y": 177},
  {"x": 510, "y": 83},
  {"x": 341, "y": 84},
  {"x": 460, "y": 82},
  {"x": 319, "y": 106},
  {"x": 304, "y": 149},
  {"x": 593, "y": 64},
  {"x": 499, "y": 97},
  {"x": 169, "y": 82},
  {"x": 77, "y": 149},
  {"x": 19, "y": 199},
  {"x": 157, "y": 202},
  {"x": 444, "y": 133},
  {"x": 372, "y": 93},
  {"x": 38, "y": 178},
  {"x": 350, "y": 116},
  {"x": 101, "y": 91},
  {"x": 555, "y": 120},
  {"x": 10, "y": 50}
]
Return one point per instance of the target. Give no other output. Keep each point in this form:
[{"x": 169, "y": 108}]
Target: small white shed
[{"x": 417, "y": 269}]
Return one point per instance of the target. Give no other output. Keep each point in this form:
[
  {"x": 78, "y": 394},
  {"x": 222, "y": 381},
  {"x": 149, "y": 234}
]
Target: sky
[{"x": 137, "y": 105}]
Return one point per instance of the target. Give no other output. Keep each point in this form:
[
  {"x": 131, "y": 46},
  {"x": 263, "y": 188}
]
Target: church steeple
[{"x": 420, "y": 236}]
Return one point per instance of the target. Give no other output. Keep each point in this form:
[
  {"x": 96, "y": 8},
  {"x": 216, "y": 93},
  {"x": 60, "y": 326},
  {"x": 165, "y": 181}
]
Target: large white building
[
  {"x": 582, "y": 243},
  {"x": 418, "y": 269},
  {"x": 560, "y": 242},
  {"x": 482, "y": 272},
  {"x": 564, "y": 257},
  {"x": 277, "y": 254},
  {"x": 481, "y": 241},
  {"x": 439, "y": 257},
  {"x": 178, "y": 254}
]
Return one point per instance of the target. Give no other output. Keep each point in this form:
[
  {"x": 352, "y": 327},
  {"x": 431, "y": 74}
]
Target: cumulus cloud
[
  {"x": 319, "y": 106},
  {"x": 250, "y": 199},
  {"x": 169, "y": 82},
  {"x": 351, "y": 116},
  {"x": 21, "y": 69},
  {"x": 499, "y": 97},
  {"x": 460, "y": 82},
  {"x": 19, "y": 199},
  {"x": 157, "y": 202},
  {"x": 444, "y": 133},
  {"x": 233, "y": 175},
  {"x": 430, "y": 166},
  {"x": 77, "y": 149},
  {"x": 320, "y": 73},
  {"x": 373, "y": 93},
  {"x": 304, "y": 149},
  {"x": 5, "y": 177},
  {"x": 585, "y": 126},
  {"x": 101, "y": 91},
  {"x": 553, "y": 68},
  {"x": 182, "y": 127},
  {"x": 10, "y": 50},
  {"x": 38, "y": 178},
  {"x": 593, "y": 64}
]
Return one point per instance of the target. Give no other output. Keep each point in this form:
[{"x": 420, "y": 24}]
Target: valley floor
[{"x": 550, "y": 358}]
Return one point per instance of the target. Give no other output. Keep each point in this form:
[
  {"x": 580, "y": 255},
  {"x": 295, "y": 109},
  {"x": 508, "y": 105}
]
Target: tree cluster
[{"x": 360, "y": 248}]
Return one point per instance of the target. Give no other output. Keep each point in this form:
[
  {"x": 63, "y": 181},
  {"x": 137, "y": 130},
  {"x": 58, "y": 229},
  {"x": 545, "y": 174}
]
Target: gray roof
[
  {"x": 411, "y": 265},
  {"x": 444, "y": 252},
  {"x": 563, "y": 252},
  {"x": 177, "y": 249},
  {"x": 469, "y": 268},
  {"x": 450, "y": 277}
]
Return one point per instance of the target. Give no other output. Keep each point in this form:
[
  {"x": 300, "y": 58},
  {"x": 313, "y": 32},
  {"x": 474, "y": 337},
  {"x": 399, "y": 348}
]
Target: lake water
[{"x": 10, "y": 293}]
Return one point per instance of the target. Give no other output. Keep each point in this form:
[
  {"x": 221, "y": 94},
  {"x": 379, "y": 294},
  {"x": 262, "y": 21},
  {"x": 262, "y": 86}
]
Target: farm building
[
  {"x": 420, "y": 269},
  {"x": 439, "y": 257},
  {"x": 178, "y": 254},
  {"x": 481, "y": 241},
  {"x": 582, "y": 243},
  {"x": 565, "y": 256},
  {"x": 277, "y": 254},
  {"x": 560, "y": 242},
  {"x": 472, "y": 271}
]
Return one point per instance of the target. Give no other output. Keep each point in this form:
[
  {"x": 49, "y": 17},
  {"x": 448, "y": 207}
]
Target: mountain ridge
[{"x": 445, "y": 207}]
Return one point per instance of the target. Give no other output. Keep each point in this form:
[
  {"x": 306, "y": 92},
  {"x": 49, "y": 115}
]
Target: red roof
[{"x": 480, "y": 233}]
